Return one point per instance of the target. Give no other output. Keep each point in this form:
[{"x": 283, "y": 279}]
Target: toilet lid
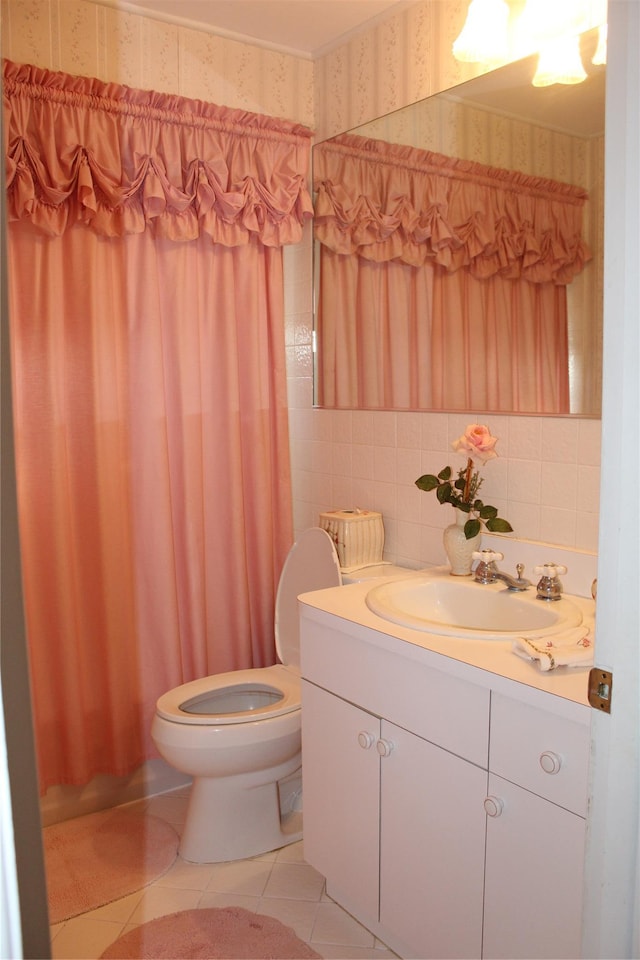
[{"x": 312, "y": 564}]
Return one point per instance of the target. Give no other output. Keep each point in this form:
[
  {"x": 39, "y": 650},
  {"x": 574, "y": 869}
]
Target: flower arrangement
[{"x": 477, "y": 444}]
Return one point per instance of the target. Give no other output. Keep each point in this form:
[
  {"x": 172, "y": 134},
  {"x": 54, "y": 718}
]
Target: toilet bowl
[{"x": 238, "y": 734}]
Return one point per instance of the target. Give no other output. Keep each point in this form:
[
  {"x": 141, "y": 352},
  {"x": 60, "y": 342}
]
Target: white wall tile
[
  {"x": 588, "y": 496},
  {"x": 408, "y": 503},
  {"x": 589, "y": 441},
  {"x": 587, "y": 531},
  {"x": 435, "y": 432},
  {"x": 342, "y": 493},
  {"x": 362, "y": 460},
  {"x": 342, "y": 425},
  {"x": 407, "y": 465},
  {"x": 559, "y": 440},
  {"x": 384, "y": 464},
  {"x": 559, "y": 482},
  {"x": 409, "y": 429},
  {"x": 558, "y": 526},
  {"x": 364, "y": 426},
  {"x": 525, "y": 438},
  {"x": 525, "y": 520},
  {"x": 385, "y": 429},
  {"x": 523, "y": 482},
  {"x": 341, "y": 459}
]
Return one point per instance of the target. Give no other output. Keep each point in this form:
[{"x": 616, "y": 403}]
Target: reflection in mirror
[{"x": 452, "y": 251}]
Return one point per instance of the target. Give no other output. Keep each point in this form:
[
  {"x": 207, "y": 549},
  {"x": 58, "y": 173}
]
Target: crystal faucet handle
[{"x": 551, "y": 570}]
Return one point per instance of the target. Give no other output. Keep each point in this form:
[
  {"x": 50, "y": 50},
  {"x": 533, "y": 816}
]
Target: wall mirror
[{"x": 550, "y": 138}]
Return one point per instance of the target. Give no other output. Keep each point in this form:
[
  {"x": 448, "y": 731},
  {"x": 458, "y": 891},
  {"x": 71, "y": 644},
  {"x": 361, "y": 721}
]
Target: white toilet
[{"x": 238, "y": 734}]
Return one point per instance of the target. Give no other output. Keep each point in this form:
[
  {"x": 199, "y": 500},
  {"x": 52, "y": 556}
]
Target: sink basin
[{"x": 464, "y": 608}]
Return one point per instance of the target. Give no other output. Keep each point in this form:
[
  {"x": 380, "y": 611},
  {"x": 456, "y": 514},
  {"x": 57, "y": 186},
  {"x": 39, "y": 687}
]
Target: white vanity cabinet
[
  {"x": 441, "y": 839},
  {"x": 341, "y": 787},
  {"x": 536, "y": 810},
  {"x": 431, "y": 847},
  {"x": 396, "y": 825}
]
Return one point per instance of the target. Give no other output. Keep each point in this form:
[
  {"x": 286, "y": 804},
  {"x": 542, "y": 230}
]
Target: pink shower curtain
[
  {"x": 442, "y": 283},
  {"x": 146, "y": 311}
]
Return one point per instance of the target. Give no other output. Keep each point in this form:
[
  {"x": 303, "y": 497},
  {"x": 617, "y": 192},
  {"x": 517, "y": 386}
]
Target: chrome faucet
[
  {"x": 550, "y": 585},
  {"x": 487, "y": 571}
]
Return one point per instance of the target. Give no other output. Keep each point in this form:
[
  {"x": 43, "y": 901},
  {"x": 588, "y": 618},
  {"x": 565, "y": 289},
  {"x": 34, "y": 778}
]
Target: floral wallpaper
[{"x": 92, "y": 39}]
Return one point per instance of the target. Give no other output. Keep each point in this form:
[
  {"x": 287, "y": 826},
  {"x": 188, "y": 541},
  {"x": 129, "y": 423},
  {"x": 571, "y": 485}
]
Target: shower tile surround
[{"x": 546, "y": 480}]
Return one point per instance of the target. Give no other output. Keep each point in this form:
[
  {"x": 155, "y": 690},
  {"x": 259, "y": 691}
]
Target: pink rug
[
  {"x": 101, "y": 857},
  {"x": 232, "y": 933}
]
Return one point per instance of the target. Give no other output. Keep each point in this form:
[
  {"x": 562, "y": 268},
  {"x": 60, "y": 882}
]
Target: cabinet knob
[
  {"x": 385, "y": 747},
  {"x": 493, "y": 806},
  {"x": 366, "y": 739},
  {"x": 550, "y": 762}
]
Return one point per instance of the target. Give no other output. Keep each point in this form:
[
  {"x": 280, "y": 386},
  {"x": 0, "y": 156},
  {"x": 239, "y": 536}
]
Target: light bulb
[
  {"x": 559, "y": 62},
  {"x": 542, "y": 21},
  {"x": 483, "y": 39}
]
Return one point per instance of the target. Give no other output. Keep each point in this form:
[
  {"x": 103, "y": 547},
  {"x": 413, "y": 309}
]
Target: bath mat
[
  {"x": 101, "y": 857},
  {"x": 210, "y": 934}
]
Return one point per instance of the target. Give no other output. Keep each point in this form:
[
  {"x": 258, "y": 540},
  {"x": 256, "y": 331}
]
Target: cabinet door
[
  {"x": 341, "y": 787},
  {"x": 533, "y": 885},
  {"x": 541, "y": 751},
  {"x": 432, "y": 847}
]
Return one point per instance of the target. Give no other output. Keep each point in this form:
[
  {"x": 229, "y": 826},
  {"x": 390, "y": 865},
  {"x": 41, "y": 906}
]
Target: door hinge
[{"x": 600, "y": 686}]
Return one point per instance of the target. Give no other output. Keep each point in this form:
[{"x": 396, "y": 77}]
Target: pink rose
[{"x": 476, "y": 442}]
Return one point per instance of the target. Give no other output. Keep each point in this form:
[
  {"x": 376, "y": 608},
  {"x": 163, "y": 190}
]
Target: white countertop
[{"x": 494, "y": 656}]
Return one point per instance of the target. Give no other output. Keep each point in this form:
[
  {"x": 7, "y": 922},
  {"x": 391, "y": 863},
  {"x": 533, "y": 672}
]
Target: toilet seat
[
  {"x": 276, "y": 686},
  {"x": 260, "y": 693}
]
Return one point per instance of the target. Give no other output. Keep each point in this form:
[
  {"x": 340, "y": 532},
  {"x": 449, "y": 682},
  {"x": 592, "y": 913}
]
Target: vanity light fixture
[
  {"x": 560, "y": 62},
  {"x": 483, "y": 39},
  {"x": 553, "y": 28}
]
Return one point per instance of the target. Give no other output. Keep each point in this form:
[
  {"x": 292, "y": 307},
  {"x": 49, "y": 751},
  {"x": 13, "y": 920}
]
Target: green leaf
[
  {"x": 427, "y": 482},
  {"x": 465, "y": 507},
  {"x": 497, "y": 525},
  {"x": 443, "y": 493},
  {"x": 445, "y": 473},
  {"x": 460, "y": 483},
  {"x": 471, "y": 529},
  {"x": 488, "y": 512}
]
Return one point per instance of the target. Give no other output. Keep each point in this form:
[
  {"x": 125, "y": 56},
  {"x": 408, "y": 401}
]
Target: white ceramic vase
[{"x": 459, "y": 550}]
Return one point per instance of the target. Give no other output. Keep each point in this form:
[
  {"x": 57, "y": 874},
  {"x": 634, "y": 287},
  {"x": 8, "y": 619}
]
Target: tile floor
[{"x": 279, "y": 884}]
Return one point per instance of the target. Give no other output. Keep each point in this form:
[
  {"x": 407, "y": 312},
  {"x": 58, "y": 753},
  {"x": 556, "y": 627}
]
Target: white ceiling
[{"x": 307, "y": 28}]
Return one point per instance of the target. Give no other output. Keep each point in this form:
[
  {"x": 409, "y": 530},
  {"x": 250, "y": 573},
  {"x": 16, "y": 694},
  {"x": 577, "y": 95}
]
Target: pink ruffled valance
[
  {"x": 123, "y": 160},
  {"x": 387, "y": 202}
]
